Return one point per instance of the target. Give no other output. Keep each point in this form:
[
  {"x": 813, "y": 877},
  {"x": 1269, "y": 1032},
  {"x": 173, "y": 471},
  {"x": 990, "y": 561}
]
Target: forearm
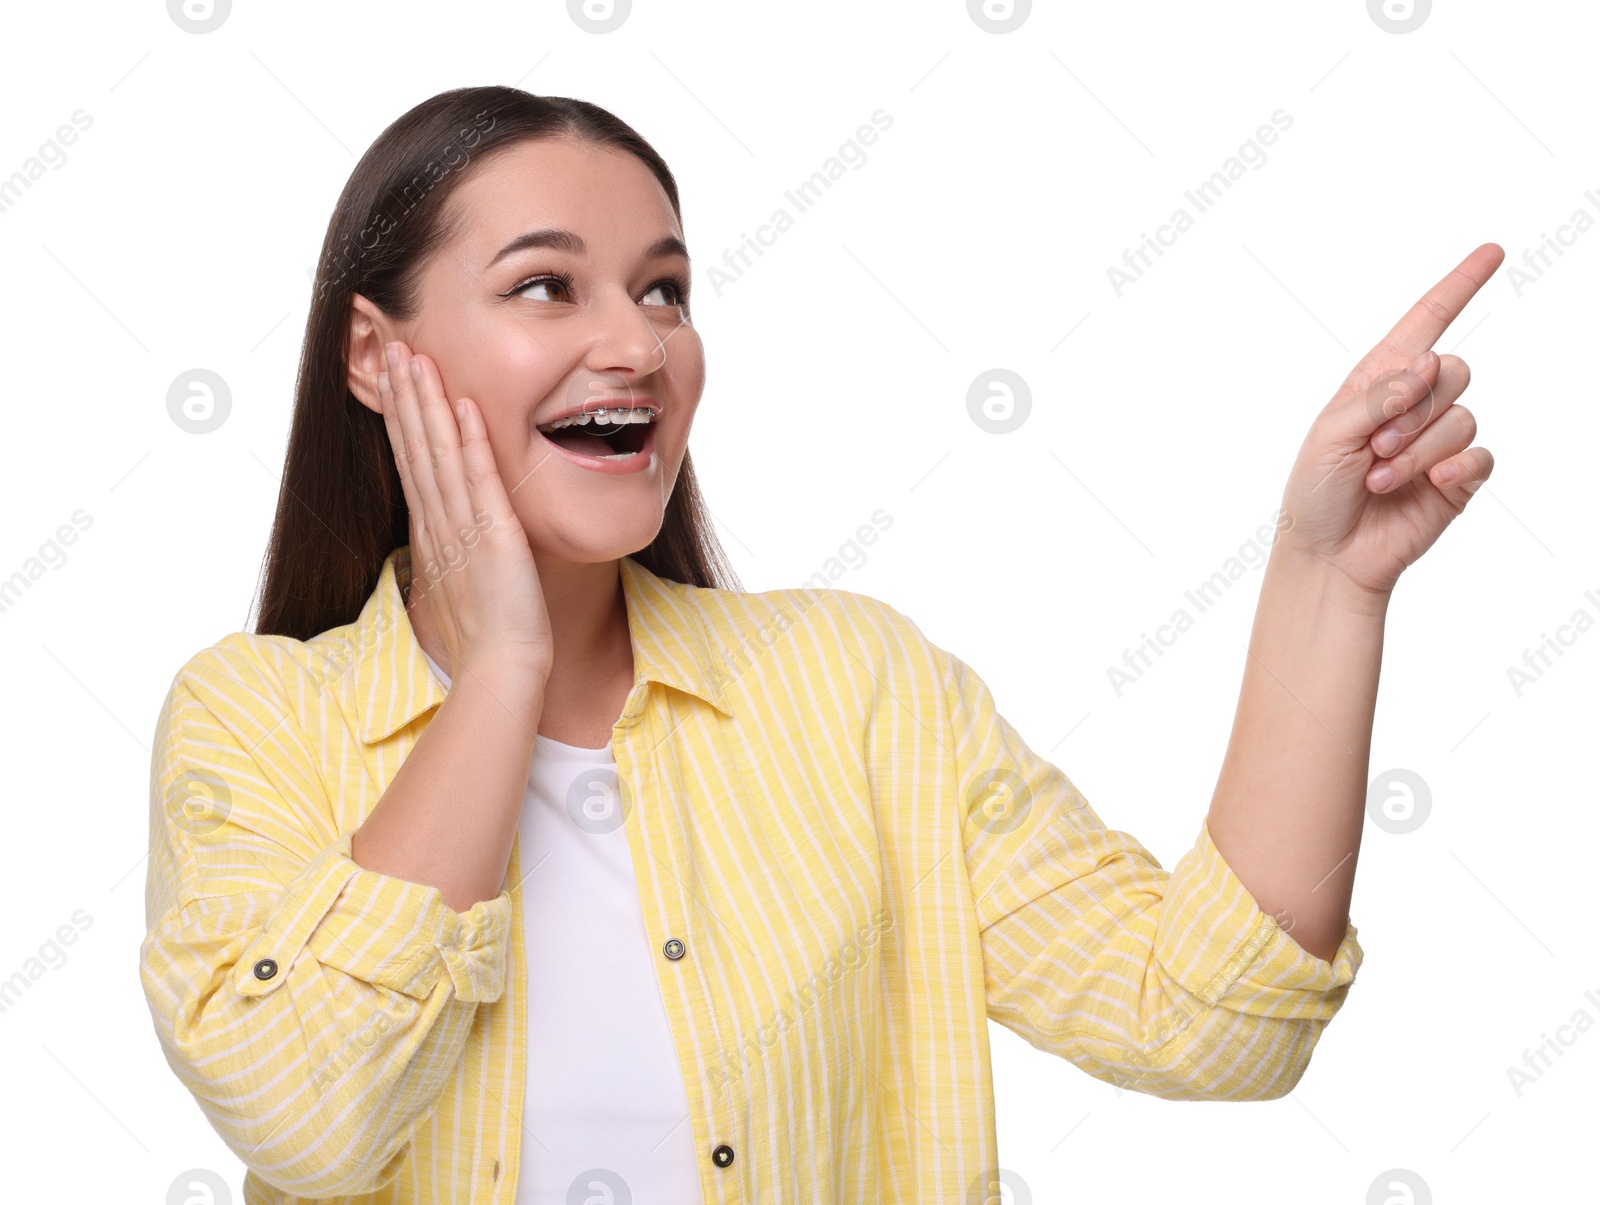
[
  {"x": 1290, "y": 800},
  {"x": 451, "y": 811}
]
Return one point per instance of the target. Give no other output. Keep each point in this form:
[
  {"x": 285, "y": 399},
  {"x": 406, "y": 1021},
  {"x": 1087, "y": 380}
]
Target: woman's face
[{"x": 529, "y": 347}]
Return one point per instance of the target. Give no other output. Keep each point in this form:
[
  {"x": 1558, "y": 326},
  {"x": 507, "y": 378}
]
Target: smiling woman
[
  {"x": 542, "y": 862},
  {"x": 525, "y": 256}
]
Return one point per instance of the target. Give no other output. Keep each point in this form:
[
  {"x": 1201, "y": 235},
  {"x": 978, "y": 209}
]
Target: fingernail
[
  {"x": 1380, "y": 478},
  {"x": 1421, "y": 362},
  {"x": 392, "y": 356},
  {"x": 416, "y": 371},
  {"x": 383, "y": 382},
  {"x": 1445, "y": 474},
  {"x": 1386, "y": 442}
]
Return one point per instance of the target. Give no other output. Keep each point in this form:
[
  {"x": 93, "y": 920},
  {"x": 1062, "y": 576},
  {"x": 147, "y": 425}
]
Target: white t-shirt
[{"x": 604, "y": 1089}]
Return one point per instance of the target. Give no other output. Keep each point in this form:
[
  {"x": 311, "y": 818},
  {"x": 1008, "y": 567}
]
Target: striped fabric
[{"x": 861, "y": 858}]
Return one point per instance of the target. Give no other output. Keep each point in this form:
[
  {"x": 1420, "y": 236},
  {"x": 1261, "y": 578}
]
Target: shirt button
[
  {"x": 266, "y": 969},
  {"x": 722, "y": 1156},
  {"x": 674, "y": 950}
]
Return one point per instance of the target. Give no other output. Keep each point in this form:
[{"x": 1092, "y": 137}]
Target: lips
[
  {"x": 630, "y": 450},
  {"x": 600, "y": 436}
]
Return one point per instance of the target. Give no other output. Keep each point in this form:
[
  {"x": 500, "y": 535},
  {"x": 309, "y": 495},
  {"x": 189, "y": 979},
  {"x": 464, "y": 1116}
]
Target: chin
[{"x": 586, "y": 542}]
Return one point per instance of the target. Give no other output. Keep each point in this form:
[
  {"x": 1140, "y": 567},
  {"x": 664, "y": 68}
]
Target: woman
[{"x": 519, "y": 852}]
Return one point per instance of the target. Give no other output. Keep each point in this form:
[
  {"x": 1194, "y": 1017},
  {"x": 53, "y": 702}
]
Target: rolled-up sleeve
[
  {"x": 314, "y": 1008},
  {"x": 1174, "y": 984},
  {"x": 380, "y": 930}
]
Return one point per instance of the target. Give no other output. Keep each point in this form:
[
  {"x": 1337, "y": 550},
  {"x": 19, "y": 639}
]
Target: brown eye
[
  {"x": 560, "y": 283},
  {"x": 676, "y": 288}
]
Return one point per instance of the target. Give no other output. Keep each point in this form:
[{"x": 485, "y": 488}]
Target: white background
[{"x": 178, "y": 233}]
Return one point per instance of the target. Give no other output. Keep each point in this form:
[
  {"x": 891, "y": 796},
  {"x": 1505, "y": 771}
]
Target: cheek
[
  {"x": 505, "y": 370},
  {"x": 685, "y": 368}
]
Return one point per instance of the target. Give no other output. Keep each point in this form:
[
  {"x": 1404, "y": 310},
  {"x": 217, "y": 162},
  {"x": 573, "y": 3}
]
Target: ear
[{"x": 370, "y": 332}]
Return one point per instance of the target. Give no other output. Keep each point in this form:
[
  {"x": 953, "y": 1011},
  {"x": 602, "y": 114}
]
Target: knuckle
[
  {"x": 1410, "y": 420},
  {"x": 1435, "y": 307}
]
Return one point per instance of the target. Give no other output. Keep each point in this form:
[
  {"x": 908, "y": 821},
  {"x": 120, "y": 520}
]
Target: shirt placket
[{"x": 675, "y": 932}]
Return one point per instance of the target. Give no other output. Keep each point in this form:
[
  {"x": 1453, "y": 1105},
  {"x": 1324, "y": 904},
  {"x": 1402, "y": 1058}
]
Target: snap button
[
  {"x": 722, "y": 1156},
  {"x": 673, "y": 949},
  {"x": 266, "y": 969}
]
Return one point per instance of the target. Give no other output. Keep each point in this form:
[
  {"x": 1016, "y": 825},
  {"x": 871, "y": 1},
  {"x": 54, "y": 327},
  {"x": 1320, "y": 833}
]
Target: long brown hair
[{"x": 341, "y": 507}]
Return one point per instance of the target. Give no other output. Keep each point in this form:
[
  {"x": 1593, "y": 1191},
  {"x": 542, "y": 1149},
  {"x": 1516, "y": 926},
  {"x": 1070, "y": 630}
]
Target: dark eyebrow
[{"x": 565, "y": 240}]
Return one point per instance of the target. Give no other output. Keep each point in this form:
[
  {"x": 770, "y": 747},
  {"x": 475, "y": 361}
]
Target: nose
[{"x": 623, "y": 339}]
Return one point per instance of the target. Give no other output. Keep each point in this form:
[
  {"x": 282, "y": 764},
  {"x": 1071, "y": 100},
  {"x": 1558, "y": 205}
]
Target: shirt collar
[{"x": 394, "y": 684}]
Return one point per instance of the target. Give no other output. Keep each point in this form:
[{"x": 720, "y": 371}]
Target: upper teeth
[{"x": 616, "y": 416}]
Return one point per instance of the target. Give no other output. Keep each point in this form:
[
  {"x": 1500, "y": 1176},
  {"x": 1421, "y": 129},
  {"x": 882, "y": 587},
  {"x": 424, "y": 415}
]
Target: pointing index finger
[{"x": 1439, "y": 306}]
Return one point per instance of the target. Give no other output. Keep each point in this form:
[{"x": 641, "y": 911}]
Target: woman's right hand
[{"x": 469, "y": 553}]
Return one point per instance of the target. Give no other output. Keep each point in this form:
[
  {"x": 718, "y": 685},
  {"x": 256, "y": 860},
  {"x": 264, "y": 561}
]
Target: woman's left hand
[{"x": 1386, "y": 465}]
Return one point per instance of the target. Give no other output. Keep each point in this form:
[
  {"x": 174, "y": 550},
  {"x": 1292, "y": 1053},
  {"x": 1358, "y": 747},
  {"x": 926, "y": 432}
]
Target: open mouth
[{"x": 615, "y": 435}]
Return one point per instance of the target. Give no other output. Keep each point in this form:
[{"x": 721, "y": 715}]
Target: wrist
[
  {"x": 1308, "y": 574},
  {"x": 520, "y": 692}
]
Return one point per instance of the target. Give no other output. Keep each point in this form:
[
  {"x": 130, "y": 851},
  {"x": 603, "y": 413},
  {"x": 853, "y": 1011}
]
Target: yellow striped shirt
[{"x": 861, "y": 859}]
